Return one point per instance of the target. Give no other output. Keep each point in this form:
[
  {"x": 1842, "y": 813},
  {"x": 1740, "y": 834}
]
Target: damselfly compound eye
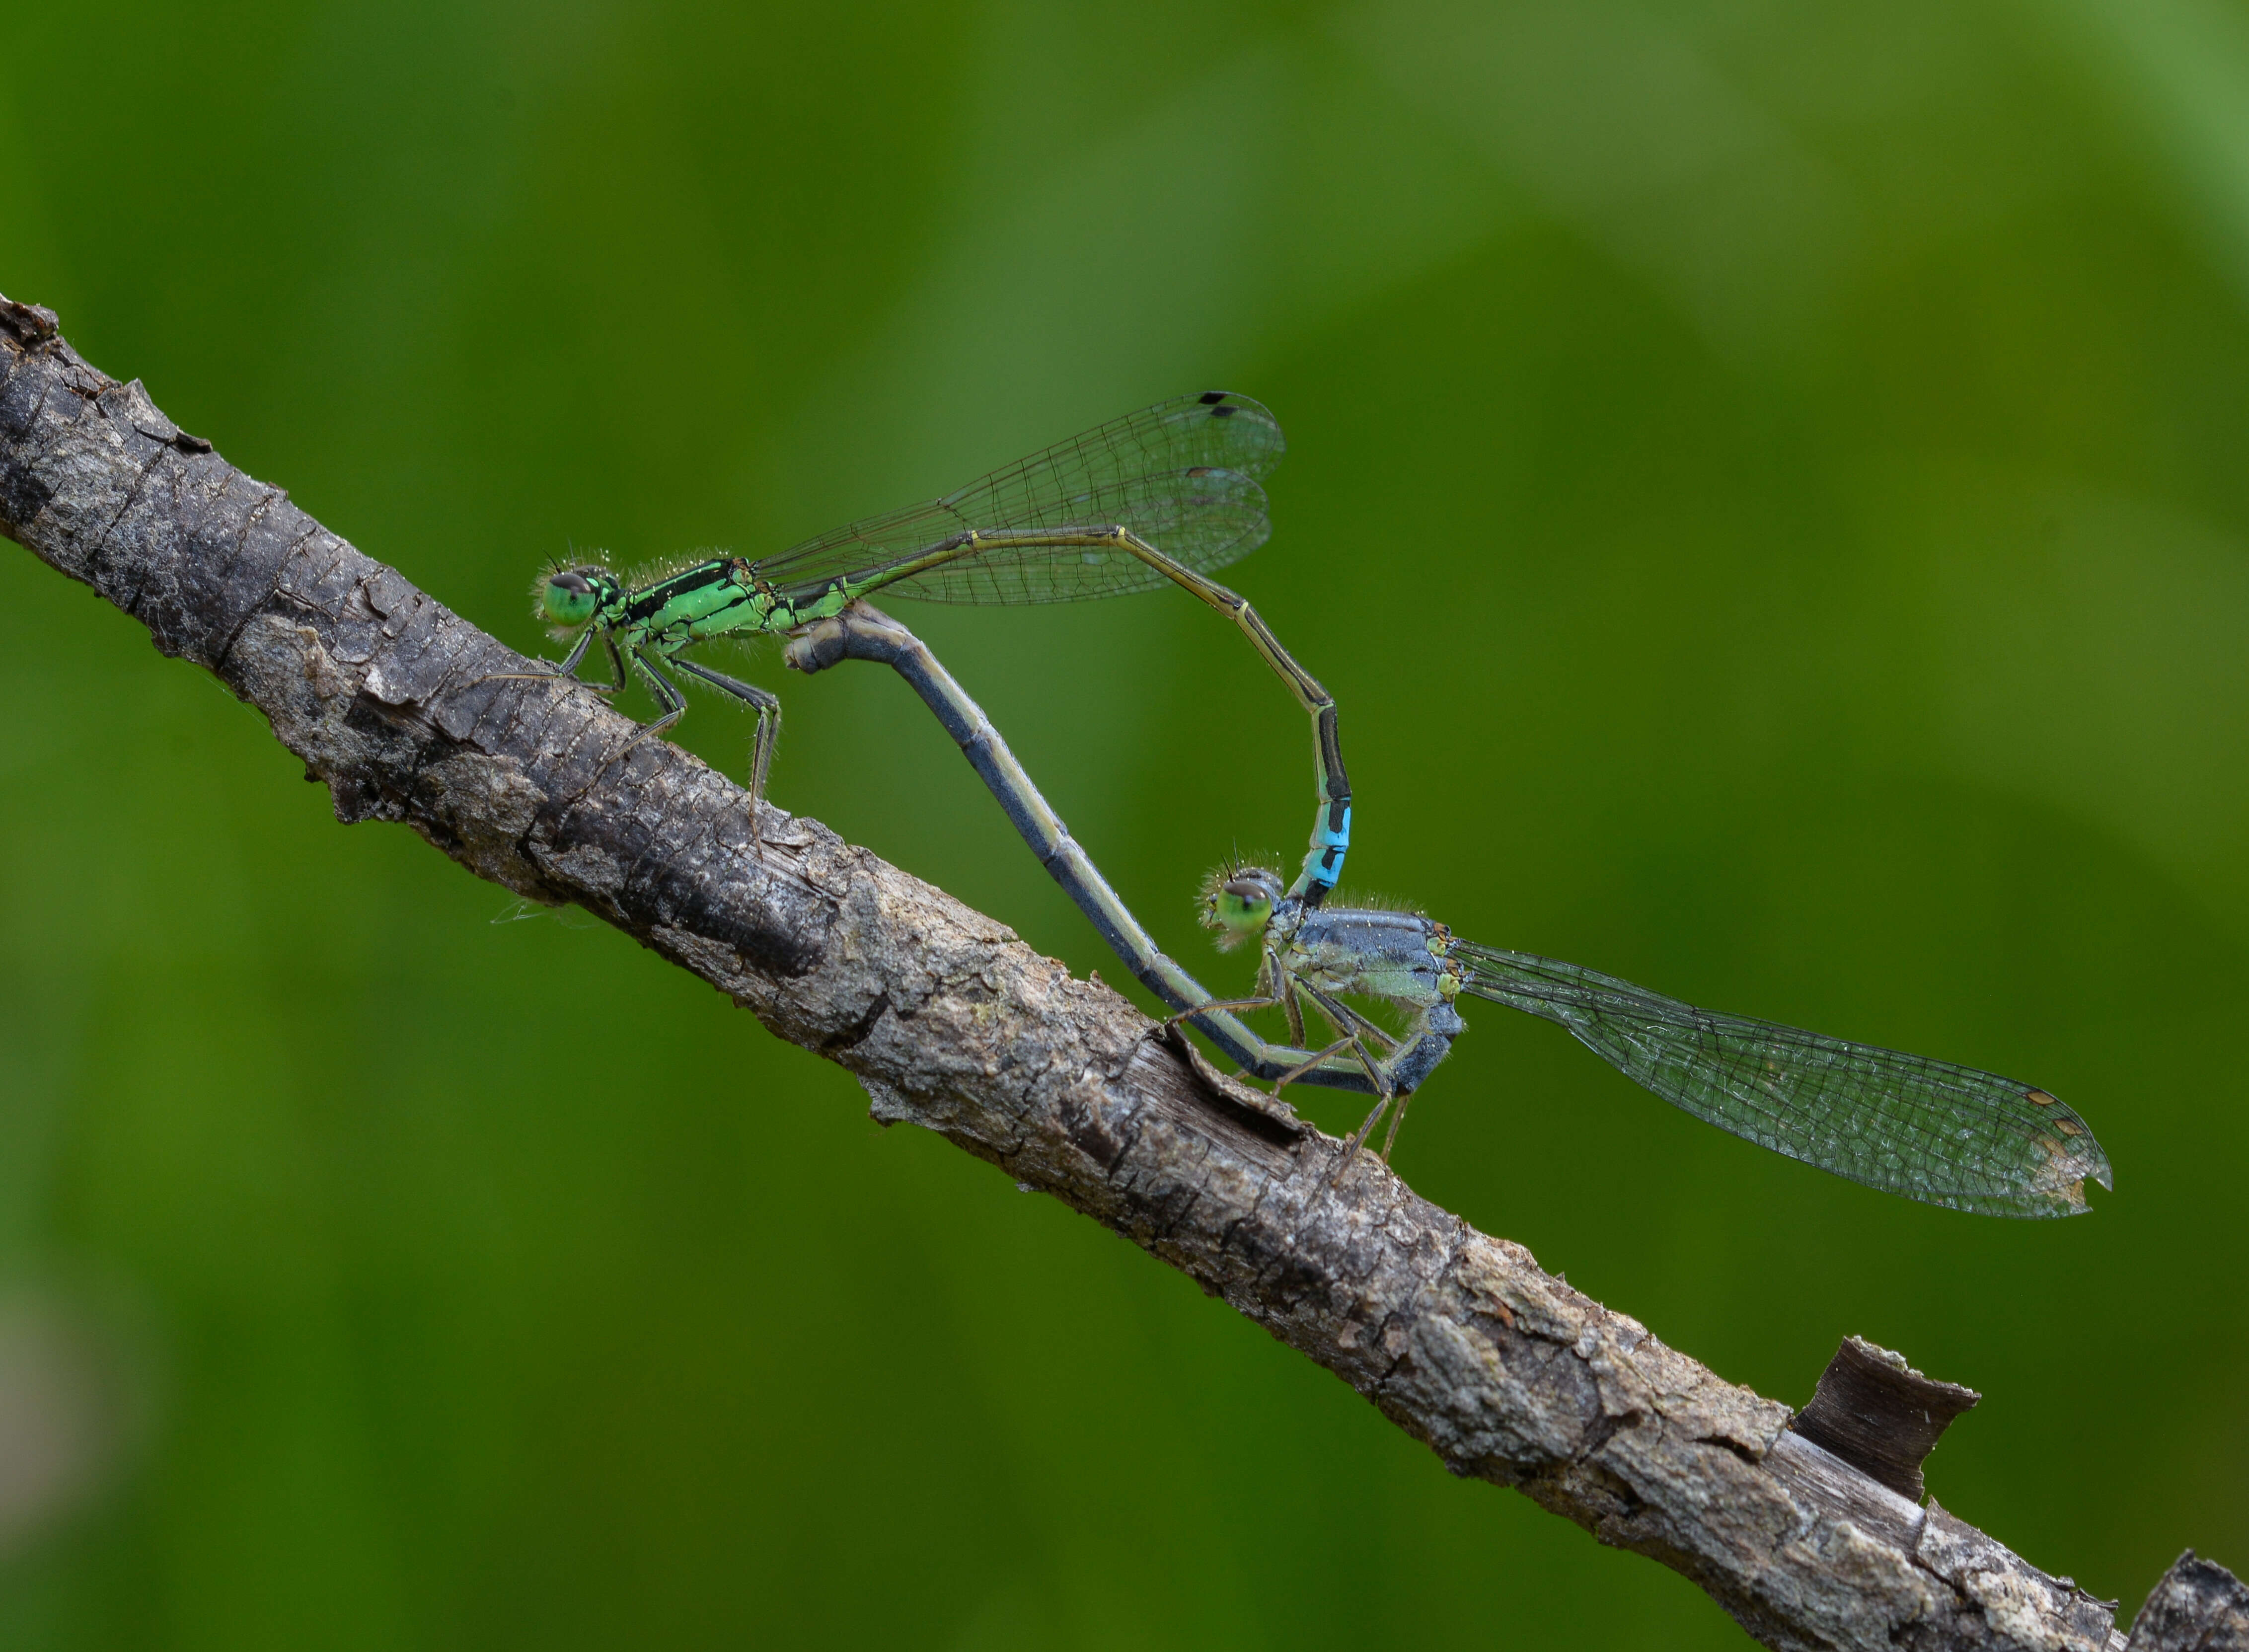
[{"x": 569, "y": 598}]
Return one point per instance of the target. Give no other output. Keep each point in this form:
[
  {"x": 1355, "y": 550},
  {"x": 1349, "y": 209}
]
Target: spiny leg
[
  {"x": 1349, "y": 1156},
  {"x": 1342, "y": 1019},
  {"x": 1348, "y": 1043},
  {"x": 1397, "y": 1118},
  {"x": 1347, "y": 1018},
  {"x": 1216, "y": 1005},
  {"x": 1284, "y": 991},
  {"x": 667, "y": 695},
  {"x": 767, "y": 704},
  {"x": 616, "y": 666},
  {"x": 1340, "y": 1016},
  {"x": 1169, "y": 1021},
  {"x": 1359, "y": 1136},
  {"x": 1355, "y": 1027},
  {"x": 568, "y": 667}
]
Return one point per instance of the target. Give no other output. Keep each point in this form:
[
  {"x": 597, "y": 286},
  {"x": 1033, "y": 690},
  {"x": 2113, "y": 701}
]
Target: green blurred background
[{"x": 1766, "y": 487}]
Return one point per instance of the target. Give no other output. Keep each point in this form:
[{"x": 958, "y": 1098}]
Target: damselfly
[
  {"x": 1167, "y": 493},
  {"x": 1928, "y": 1129}
]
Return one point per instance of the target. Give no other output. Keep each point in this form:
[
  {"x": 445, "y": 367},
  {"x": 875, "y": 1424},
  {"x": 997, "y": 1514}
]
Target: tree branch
[{"x": 950, "y": 1023}]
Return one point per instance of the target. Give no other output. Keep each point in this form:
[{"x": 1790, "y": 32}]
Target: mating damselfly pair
[{"x": 1169, "y": 494}]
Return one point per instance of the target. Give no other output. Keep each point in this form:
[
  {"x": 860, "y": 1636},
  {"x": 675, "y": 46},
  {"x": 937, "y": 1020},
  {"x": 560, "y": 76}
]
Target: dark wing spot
[
  {"x": 1209, "y": 397},
  {"x": 1223, "y": 410},
  {"x": 2038, "y": 1099},
  {"x": 1199, "y": 470}
]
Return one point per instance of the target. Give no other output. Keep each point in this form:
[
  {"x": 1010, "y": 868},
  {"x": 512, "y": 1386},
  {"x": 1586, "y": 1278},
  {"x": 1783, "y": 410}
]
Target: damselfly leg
[{"x": 765, "y": 704}]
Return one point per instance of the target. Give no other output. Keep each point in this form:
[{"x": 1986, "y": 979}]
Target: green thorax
[{"x": 722, "y": 596}]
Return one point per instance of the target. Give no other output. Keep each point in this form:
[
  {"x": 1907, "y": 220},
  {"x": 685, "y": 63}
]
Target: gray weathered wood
[
  {"x": 2199, "y": 1606},
  {"x": 950, "y": 1023}
]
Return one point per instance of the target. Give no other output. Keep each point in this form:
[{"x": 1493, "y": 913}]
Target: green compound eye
[
  {"x": 568, "y": 599},
  {"x": 1239, "y": 906}
]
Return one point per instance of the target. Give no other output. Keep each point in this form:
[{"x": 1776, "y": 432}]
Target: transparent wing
[
  {"x": 1928, "y": 1129},
  {"x": 1183, "y": 475}
]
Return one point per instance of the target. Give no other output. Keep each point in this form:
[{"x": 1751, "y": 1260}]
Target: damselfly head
[
  {"x": 568, "y": 597},
  {"x": 1238, "y": 901}
]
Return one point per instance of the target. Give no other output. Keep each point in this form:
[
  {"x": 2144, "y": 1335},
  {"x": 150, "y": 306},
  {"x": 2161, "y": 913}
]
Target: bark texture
[
  {"x": 2199, "y": 1606},
  {"x": 950, "y": 1023}
]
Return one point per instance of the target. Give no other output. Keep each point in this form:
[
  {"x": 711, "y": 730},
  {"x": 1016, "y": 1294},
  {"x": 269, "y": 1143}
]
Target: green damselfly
[{"x": 1167, "y": 493}]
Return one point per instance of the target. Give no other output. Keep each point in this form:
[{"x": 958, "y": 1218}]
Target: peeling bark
[{"x": 950, "y": 1023}]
